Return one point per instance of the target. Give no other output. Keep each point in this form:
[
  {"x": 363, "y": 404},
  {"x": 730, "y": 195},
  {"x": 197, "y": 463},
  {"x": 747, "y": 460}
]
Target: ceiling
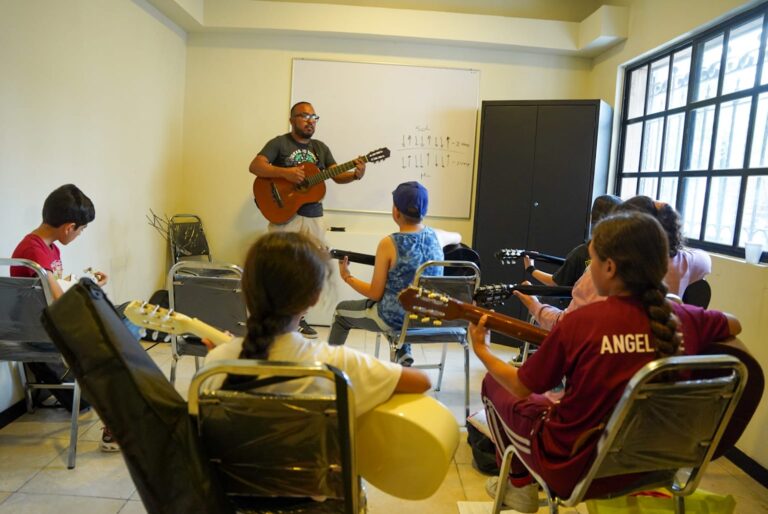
[{"x": 561, "y": 10}]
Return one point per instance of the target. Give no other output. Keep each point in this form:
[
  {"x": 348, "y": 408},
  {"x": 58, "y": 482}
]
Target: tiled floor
[{"x": 34, "y": 478}]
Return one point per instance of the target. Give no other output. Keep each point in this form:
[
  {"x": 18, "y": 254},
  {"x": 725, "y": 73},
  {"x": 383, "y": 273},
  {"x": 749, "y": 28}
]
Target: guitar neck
[
  {"x": 498, "y": 293},
  {"x": 545, "y": 257},
  {"x": 333, "y": 171},
  {"x": 504, "y": 324},
  {"x": 360, "y": 258},
  {"x": 205, "y": 331}
]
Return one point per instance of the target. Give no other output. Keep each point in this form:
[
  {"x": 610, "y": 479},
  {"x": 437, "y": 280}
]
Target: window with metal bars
[{"x": 694, "y": 133}]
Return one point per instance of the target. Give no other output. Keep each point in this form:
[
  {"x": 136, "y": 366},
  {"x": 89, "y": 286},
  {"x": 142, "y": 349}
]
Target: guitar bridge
[{"x": 276, "y": 195}]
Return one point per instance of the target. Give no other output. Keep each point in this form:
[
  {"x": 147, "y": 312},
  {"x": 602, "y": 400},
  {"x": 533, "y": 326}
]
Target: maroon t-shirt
[
  {"x": 32, "y": 247},
  {"x": 598, "y": 348}
]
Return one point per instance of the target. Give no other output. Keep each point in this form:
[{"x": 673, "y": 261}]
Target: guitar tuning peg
[
  {"x": 425, "y": 319},
  {"x": 413, "y": 316},
  {"x": 437, "y": 323},
  {"x": 432, "y": 295},
  {"x": 444, "y": 299}
]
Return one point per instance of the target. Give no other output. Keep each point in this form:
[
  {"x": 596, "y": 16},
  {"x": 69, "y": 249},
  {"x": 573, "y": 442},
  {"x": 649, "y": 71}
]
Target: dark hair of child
[
  {"x": 284, "y": 274},
  {"x": 637, "y": 244},
  {"x": 666, "y": 215},
  {"x": 67, "y": 204},
  {"x": 603, "y": 206}
]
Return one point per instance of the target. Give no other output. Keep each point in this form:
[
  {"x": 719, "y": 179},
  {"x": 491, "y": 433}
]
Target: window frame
[{"x": 695, "y": 43}]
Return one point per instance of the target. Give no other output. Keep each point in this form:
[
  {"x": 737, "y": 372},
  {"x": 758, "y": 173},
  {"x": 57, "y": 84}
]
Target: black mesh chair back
[
  {"x": 277, "y": 450},
  {"x": 187, "y": 238},
  {"x": 663, "y": 432},
  {"x": 209, "y": 292},
  {"x": 23, "y": 338}
]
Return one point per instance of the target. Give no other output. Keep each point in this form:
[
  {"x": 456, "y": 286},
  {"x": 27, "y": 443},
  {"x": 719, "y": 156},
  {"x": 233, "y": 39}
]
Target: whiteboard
[{"x": 427, "y": 117}]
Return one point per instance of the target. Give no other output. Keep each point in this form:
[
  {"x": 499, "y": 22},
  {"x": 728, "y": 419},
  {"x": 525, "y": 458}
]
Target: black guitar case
[{"x": 137, "y": 402}]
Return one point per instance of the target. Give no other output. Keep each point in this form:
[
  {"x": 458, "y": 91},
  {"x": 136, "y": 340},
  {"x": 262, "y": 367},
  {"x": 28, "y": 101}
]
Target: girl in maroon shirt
[{"x": 598, "y": 349}]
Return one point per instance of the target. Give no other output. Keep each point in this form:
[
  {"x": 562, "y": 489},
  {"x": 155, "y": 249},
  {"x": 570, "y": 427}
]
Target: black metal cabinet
[{"x": 541, "y": 164}]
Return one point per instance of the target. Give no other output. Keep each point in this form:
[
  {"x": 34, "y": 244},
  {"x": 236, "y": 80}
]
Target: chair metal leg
[
  {"x": 174, "y": 361},
  {"x": 466, "y": 383},
  {"x": 27, "y": 389},
  {"x": 378, "y": 344},
  {"x": 526, "y": 351},
  {"x": 441, "y": 367},
  {"x": 679, "y": 504},
  {"x": 197, "y": 363},
  {"x": 72, "y": 452},
  {"x": 501, "y": 486}
]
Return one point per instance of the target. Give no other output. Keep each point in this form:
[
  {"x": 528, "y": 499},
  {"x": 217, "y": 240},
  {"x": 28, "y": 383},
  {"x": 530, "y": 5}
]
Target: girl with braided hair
[
  {"x": 283, "y": 277},
  {"x": 598, "y": 348}
]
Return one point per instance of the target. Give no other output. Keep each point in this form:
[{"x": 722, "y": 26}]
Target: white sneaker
[
  {"x": 522, "y": 499},
  {"x": 108, "y": 443}
]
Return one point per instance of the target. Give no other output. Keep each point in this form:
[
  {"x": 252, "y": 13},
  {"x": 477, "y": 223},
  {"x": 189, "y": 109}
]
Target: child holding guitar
[
  {"x": 598, "y": 348},
  {"x": 398, "y": 256},
  {"x": 277, "y": 297}
]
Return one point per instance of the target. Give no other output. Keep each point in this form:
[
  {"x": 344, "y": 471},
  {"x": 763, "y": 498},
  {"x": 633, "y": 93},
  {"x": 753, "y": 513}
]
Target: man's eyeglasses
[{"x": 307, "y": 117}]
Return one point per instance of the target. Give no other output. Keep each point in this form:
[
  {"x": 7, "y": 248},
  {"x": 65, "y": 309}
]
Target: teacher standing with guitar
[{"x": 282, "y": 159}]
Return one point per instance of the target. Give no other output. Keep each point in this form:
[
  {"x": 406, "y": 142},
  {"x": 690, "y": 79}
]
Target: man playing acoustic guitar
[{"x": 281, "y": 157}]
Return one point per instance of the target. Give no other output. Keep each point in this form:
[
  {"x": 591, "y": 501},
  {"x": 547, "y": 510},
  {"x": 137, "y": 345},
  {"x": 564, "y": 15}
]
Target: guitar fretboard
[{"x": 332, "y": 172}]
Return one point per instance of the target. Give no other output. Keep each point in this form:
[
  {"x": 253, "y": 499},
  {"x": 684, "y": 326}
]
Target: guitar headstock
[
  {"x": 509, "y": 255},
  {"x": 377, "y": 155},
  {"x": 492, "y": 295},
  {"x": 429, "y": 305},
  {"x": 154, "y": 317}
]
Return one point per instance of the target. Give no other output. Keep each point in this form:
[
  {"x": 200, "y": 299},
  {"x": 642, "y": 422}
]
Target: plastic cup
[{"x": 753, "y": 252}]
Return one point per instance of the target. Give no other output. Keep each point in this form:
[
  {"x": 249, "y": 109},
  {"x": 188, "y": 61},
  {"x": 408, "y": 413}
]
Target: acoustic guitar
[
  {"x": 279, "y": 200},
  {"x": 404, "y": 446},
  {"x": 511, "y": 256},
  {"x": 429, "y": 305}
]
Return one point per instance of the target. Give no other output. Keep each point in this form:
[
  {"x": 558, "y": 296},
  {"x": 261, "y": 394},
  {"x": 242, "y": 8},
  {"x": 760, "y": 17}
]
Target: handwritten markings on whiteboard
[{"x": 422, "y": 150}]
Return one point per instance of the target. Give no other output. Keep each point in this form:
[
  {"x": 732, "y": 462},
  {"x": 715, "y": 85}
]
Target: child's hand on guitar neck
[
  {"x": 479, "y": 335},
  {"x": 99, "y": 276},
  {"x": 210, "y": 344}
]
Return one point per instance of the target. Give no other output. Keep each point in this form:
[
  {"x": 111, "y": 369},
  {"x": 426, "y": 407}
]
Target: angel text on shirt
[{"x": 626, "y": 343}]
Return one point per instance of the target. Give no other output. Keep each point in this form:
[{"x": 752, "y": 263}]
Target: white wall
[
  {"x": 92, "y": 94},
  {"x": 238, "y": 94},
  {"x": 738, "y": 288}
]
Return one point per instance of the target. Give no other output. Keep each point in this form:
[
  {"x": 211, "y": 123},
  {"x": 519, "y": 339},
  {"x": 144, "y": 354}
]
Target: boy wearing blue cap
[{"x": 397, "y": 258}]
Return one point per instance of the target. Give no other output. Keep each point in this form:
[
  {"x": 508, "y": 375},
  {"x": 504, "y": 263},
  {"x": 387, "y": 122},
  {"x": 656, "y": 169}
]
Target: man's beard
[{"x": 305, "y": 133}]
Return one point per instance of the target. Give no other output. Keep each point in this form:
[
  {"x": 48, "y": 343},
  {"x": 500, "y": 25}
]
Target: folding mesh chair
[
  {"x": 274, "y": 451},
  {"x": 187, "y": 238},
  {"x": 663, "y": 431},
  {"x": 210, "y": 292},
  {"x": 23, "y": 338},
  {"x": 460, "y": 280}
]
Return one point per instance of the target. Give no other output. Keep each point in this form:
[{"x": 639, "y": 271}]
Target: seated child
[
  {"x": 283, "y": 277},
  {"x": 398, "y": 256},
  {"x": 629, "y": 257},
  {"x": 66, "y": 213}
]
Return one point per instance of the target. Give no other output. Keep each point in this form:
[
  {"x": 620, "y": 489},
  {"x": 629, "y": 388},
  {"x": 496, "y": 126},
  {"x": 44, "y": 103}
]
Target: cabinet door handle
[{"x": 535, "y": 204}]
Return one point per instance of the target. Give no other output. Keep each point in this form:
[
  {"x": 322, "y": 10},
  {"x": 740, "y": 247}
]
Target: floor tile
[
  {"x": 97, "y": 474},
  {"x": 21, "y": 458},
  {"x": 133, "y": 507},
  {"x": 25, "y": 503}
]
